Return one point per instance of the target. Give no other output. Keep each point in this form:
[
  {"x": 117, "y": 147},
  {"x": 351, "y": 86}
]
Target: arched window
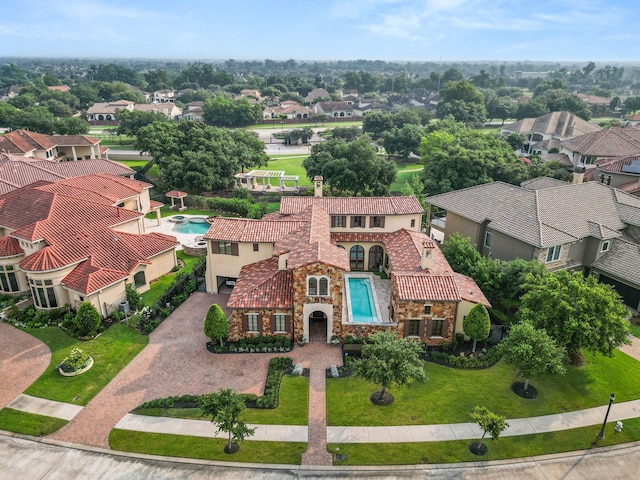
[
  {"x": 313, "y": 286},
  {"x": 376, "y": 257},
  {"x": 324, "y": 286},
  {"x": 356, "y": 257},
  {"x": 139, "y": 279}
]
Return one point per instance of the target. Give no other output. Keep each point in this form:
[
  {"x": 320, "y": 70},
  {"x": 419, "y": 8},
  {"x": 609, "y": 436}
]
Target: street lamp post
[{"x": 612, "y": 398}]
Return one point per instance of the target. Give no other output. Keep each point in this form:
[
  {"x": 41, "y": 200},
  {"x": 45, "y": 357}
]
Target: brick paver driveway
[
  {"x": 23, "y": 359},
  {"x": 176, "y": 362}
]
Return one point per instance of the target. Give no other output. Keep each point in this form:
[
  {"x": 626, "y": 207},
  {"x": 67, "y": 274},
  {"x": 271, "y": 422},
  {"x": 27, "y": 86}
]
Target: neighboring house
[
  {"x": 290, "y": 111},
  {"x": 193, "y": 111},
  {"x": 170, "y": 110},
  {"x": 250, "y": 92},
  {"x": 334, "y": 109},
  {"x": 548, "y": 131},
  {"x": 564, "y": 226},
  {"x": 163, "y": 96},
  {"x": 633, "y": 120},
  {"x": 17, "y": 171},
  {"x": 622, "y": 173},
  {"x": 54, "y": 148},
  {"x": 80, "y": 239},
  {"x": 107, "y": 112},
  {"x": 59, "y": 88},
  {"x": 611, "y": 143},
  {"x": 10, "y": 92},
  {"x": 315, "y": 95},
  {"x": 596, "y": 104},
  {"x": 307, "y": 270}
]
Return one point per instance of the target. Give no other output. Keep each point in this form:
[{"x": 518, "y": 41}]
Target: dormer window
[{"x": 605, "y": 246}]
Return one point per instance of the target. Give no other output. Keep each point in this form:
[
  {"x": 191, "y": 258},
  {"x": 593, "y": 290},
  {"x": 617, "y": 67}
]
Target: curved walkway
[{"x": 23, "y": 359}]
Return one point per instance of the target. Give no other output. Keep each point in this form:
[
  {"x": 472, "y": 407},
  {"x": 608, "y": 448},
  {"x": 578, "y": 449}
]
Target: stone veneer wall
[
  {"x": 540, "y": 254},
  {"x": 300, "y": 298},
  {"x": 235, "y": 322},
  {"x": 362, "y": 331}
]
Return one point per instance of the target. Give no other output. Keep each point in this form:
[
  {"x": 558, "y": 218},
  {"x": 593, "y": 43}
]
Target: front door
[{"x": 318, "y": 327}]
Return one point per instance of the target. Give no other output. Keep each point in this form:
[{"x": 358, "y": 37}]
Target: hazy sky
[{"x": 581, "y": 30}]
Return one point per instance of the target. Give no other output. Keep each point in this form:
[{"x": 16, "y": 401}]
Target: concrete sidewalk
[{"x": 354, "y": 434}]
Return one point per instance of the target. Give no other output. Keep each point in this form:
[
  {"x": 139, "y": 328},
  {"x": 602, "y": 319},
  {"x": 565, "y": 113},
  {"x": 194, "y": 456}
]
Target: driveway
[
  {"x": 176, "y": 362},
  {"x": 23, "y": 359}
]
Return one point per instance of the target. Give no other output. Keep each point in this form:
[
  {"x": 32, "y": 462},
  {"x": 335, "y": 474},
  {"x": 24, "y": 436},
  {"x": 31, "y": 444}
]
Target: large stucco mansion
[{"x": 310, "y": 269}]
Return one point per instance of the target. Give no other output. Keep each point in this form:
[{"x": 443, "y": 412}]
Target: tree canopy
[
  {"x": 576, "y": 311},
  {"x": 351, "y": 167},
  {"x": 462, "y": 101},
  {"x": 224, "y": 407},
  {"x": 477, "y": 324},
  {"x": 222, "y": 111},
  {"x": 388, "y": 360},
  {"x": 532, "y": 352},
  {"x": 489, "y": 422},
  {"x": 131, "y": 121},
  {"x": 196, "y": 157}
]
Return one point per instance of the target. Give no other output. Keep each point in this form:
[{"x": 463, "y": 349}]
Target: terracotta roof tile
[
  {"x": 469, "y": 290},
  {"x": 427, "y": 287},
  {"x": 23, "y": 141},
  {"x": 9, "y": 247},
  {"x": 353, "y": 205},
  {"x": 246, "y": 230},
  {"x": 87, "y": 278},
  {"x": 262, "y": 285}
]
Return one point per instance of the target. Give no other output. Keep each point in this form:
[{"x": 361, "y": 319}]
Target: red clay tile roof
[
  {"x": 412, "y": 286},
  {"x": 74, "y": 140},
  {"x": 23, "y": 141},
  {"x": 87, "y": 278},
  {"x": 175, "y": 194},
  {"x": 262, "y": 285},
  {"x": 9, "y": 247},
  {"x": 469, "y": 290},
  {"x": 245, "y": 230},
  {"x": 353, "y": 205}
]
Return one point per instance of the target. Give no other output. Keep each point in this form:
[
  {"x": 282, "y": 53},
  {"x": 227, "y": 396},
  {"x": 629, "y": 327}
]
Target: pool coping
[{"x": 347, "y": 297}]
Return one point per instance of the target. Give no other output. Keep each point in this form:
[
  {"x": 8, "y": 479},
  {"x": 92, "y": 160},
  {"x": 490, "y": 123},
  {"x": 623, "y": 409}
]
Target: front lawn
[
  {"x": 293, "y": 408},
  {"x": 205, "y": 448},
  {"x": 448, "y": 395},
  {"x": 29, "y": 423},
  {"x": 521, "y": 446},
  {"x": 111, "y": 352},
  {"x": 291, "y": 165}
]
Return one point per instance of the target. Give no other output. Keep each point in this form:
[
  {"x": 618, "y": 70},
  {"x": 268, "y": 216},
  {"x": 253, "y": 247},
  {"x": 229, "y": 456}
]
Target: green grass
[
  {"x": 403, "y": 177},
  {"x": 160, "y": 286},
  {"x": 292, "y": 410},
  {"x": 273, "y": 207},
  {"x": 503, "y": 448},
  {"x": 133, "y": 163},
  {"x": 205, "y": 448},
  {"x": 292, "y": 165},
  {"x": 111, "y": 352},
  {"x": 29, "y": 423},
  {"x": 449, "y": 395}
]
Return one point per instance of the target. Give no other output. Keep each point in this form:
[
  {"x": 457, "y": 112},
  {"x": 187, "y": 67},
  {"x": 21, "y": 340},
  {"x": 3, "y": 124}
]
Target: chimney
[
  {"x": 317, "y": 186},
  {"x": 426, "y": 259},
  {"x": 578, "y": 173},
  {"x": 283, "y": 261}
]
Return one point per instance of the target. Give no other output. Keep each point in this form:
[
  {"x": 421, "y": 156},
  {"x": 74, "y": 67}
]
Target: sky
[{"x": 402, "y": 30}]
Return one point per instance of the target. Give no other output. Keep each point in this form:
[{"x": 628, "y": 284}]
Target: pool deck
[{"x": 166, "y": 227}]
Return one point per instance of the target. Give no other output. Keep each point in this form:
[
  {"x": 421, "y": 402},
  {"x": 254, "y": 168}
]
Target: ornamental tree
[
  {"x": 532, "y": 352},
  {"x": 216, "y": 326},
  {"x": 490, "y": 423},
  {"x": 225, "y": 407},
  {"x": 477, "y": 324},
  {"x": 387, "y": 360},
  {"x": 576, "y": 311},
  {"x": 87, "y": 319}
]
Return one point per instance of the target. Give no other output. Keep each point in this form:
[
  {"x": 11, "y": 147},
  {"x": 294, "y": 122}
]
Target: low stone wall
[{"x": 195, "y": 251}]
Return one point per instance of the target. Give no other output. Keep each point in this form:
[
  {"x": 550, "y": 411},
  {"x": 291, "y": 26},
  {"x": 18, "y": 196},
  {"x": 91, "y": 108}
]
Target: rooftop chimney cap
[{"x": 580, "y": 168}]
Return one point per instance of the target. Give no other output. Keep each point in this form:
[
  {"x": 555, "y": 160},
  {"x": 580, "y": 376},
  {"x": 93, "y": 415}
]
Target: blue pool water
[
  {"x": 361, "y": 299},
  {"x": 194, "y": 226}
]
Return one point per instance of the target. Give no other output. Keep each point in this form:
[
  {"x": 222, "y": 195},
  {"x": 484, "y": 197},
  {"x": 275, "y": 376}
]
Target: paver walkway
[{"x": 23, "y": 359}]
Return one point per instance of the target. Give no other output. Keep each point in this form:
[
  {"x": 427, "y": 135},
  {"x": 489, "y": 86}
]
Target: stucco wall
[{"x": 219, "y": 265}]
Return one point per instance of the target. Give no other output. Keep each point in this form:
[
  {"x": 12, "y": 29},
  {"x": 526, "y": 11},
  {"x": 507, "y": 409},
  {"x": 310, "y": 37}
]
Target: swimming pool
[
  {"x": 361, "y": 300},
  {"x": 193, "y": 226}
]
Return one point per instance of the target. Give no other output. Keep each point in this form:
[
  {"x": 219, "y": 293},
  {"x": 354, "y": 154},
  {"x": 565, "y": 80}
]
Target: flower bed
[{"x": 76, "y": 363}]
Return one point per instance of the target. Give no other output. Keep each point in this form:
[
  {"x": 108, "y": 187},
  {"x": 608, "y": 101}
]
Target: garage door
[{"x": 630, "y": 296}]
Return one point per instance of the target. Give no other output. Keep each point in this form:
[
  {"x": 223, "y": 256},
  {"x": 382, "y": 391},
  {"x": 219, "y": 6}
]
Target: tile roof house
[
  {"x": 548, "y": 131},
  {"x": 168, "y": 109},
  {"x": 335, "y": 109},
  {"x": 107, "y": 111},
  {"x": 564, "y": 226},
  {"x": 610, "y": 143},
  {"x": 54, "y": 148},
  {"x": 80, "y": 239},
  {"x": 307, "y": 270}
]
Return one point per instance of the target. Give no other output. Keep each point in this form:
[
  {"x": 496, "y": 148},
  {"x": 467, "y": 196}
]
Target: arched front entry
[
  {"x": 318, "y": 321},
  {"x": 317, "y": 327}
]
